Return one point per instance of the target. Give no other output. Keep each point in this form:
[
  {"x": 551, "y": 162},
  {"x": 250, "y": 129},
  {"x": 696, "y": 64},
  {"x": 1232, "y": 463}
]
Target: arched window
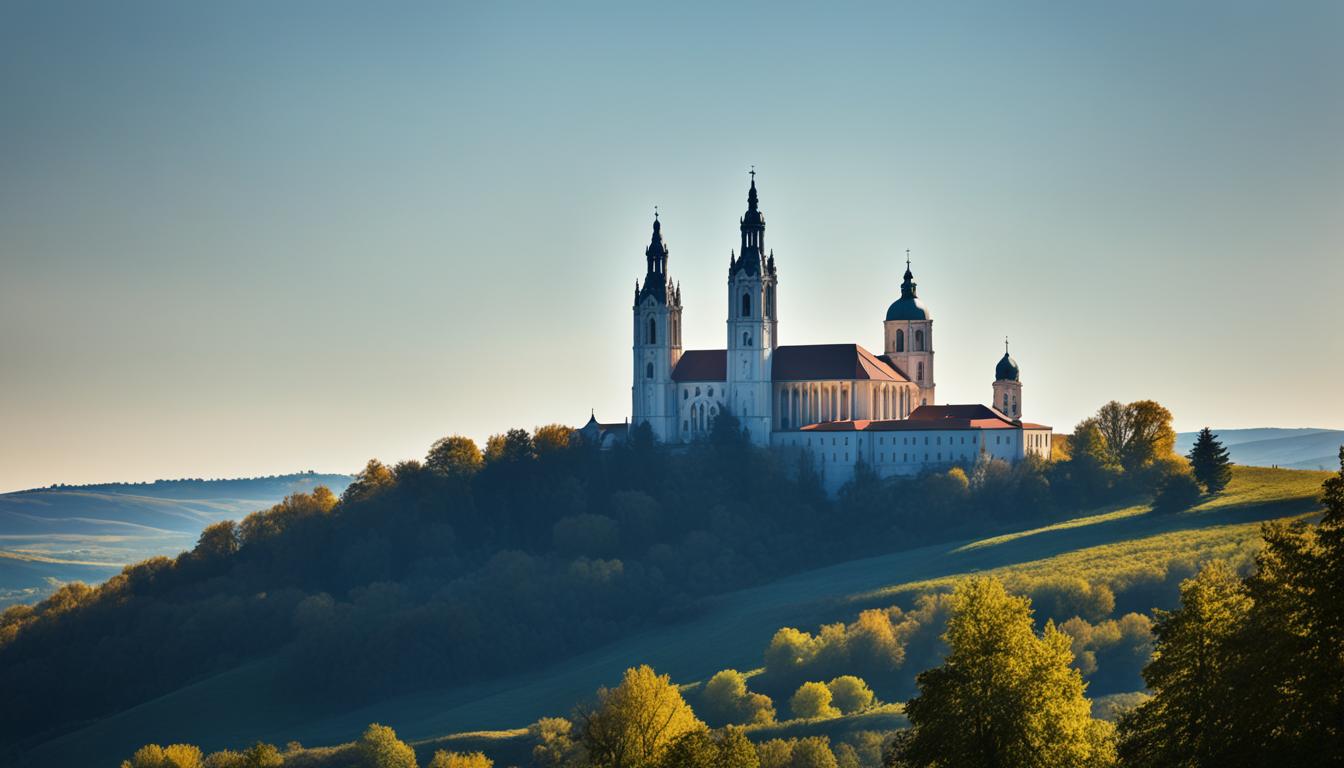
[
  {"x": 919, "y": 342},
  {"x": 919, "y": 376},
  {"x": 648, "y": 371},
  {"x": 900, "y": 340},
  {"x": 653, "y": 331},
  {"x": 746, "y": 339},
  {"x": 746, "y": 305}
]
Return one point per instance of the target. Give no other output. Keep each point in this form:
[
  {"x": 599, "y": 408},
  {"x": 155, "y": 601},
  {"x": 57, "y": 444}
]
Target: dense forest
[
  {"x": 1247, "y": 672},
  {"x": 435, "y": 572}
]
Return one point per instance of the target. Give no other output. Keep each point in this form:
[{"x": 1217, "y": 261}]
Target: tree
[
  {"x": 812, "y": 700},
  {"x": 551, "y": 438},
  {"x": 725, "y": 700},
  {"x": 633, "y": 724},
  {"x": 1194, "y": 678},
  {"x": 171, "y": 756},
  {"x": 454, "y": 456},
  {"x": 850, "y": 694},
  {"x": 512, "y": 446},
  {"x": 370, "y": 481},
  {"x": 727, "y": 748},
  {"x": 1209, "y": 461},
  {"x": 556, "y": 746},
  {"x": 812, "y": 752},
  {"x": 379, "y": 747},
  {"x": 1135, "y": 434},
  {"x": 1004, "y": 696},
  {"x": 1179, "y": 491},
  {"x": 218, "y": 540},
  {"x": 445, "y": 759}
]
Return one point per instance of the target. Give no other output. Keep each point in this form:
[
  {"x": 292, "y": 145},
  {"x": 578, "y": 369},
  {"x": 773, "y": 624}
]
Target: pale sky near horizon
[{"x": 252, "y": 237}]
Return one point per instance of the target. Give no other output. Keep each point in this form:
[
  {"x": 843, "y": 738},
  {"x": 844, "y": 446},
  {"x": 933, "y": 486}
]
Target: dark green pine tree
[{"x": 1208, "y": 459}]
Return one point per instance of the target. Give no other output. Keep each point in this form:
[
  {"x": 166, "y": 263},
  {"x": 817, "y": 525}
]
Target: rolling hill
[
  {"x": 53, "y": 535},
  {"x": 1114, "y": 545},
  {"x": 1272, "y": 447}
]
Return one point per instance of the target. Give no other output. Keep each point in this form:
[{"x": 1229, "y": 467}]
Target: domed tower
[
  {"x": 657, "y": 341},
  {"x": 909, "y": 337},
  {"x": 1007, "y": 385},
  {"x": 752, "y": 324}
]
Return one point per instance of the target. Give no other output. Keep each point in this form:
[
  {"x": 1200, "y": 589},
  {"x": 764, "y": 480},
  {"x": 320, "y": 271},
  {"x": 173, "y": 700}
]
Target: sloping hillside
[
  {"x": 87, "y": 533},
  {"x": 1268, "y": 447},
  {"x": 251, "y": 703}
]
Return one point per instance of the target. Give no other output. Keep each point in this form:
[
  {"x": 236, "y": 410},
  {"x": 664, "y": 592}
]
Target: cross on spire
[
  {"x": 1005, "y": 345},
  {"x": 907, "y": 259},
  {"x": 753, "y": 173},
  {"x": 655, "y": 211}
]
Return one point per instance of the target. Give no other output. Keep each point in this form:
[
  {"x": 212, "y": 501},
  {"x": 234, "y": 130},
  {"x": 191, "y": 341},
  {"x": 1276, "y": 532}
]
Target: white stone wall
[{"x": 907, "y": 453}]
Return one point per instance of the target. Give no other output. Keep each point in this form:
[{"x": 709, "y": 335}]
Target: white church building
[{"x": 839, "y": 403}]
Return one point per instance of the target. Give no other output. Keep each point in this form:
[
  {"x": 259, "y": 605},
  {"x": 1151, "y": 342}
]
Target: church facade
[{"x": 839, "y": 403}]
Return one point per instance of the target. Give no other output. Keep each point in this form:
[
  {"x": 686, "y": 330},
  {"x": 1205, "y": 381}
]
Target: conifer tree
[{"x": 1208, "y": 459}]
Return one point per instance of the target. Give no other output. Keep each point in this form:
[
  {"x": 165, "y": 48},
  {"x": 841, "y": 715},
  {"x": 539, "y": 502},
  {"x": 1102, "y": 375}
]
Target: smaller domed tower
[
  {"x": 1007, "y": 385},
  {"x": 909, "y": 337}
]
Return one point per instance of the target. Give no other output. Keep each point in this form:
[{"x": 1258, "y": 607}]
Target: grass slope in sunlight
[{"x": 731, "y": 631}]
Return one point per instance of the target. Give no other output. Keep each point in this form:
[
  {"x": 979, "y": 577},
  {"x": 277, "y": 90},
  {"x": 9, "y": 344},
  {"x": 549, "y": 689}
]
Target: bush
[
  {"x": 812, "y": 700},
  {"x": 171, "y": 756},
  {"x": 379, "y": 747},
  {"x": 445, "y": 759},
  {"x": 850, "y": 694},
  {"x": 1179, "y": 491},
  {"x": 725, "y": 700}
]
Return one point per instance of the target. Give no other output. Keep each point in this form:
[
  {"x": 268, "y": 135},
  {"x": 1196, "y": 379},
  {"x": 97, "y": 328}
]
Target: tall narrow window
[
  {"x": 653, "y": 331},
  {"x": 648, "y": 371},
  {"x": 900, "y": 340},
  {"x": 919, "y": 341},
  {"x": 919, "y": 375},
  {"x": 746, "y": 305}
]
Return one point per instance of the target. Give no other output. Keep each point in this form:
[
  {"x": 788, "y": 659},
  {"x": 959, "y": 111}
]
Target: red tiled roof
[
  {"x": 933, "y": 417},
  {"x": 812, "y": 362},
  {"x": 702, "y": 365}
]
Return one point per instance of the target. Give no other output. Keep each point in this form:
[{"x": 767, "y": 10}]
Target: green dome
[{"x": 907, "y": 308}]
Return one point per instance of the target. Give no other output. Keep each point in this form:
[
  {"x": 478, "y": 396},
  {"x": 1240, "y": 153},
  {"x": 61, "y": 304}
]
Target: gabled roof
[
  {"x": 702, "y": 365},
  {"x": 812, "y": 362},
  {"x": 928, "y": 418}
]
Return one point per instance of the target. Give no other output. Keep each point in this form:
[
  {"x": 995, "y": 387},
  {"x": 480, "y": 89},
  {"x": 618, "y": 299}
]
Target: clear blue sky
[{"x": 252, "y": 237}]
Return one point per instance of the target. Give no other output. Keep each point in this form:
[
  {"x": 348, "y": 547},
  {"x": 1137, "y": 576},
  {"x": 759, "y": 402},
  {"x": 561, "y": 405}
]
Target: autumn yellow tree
[
  {"x": 454, "y": 456},
  {"x": 445, "y": 759},
  {"x": 812, "y": 700},
  {"x": 379, "y": 747},
  {"x": 171, "y": 756},
  {"x": 632, "y": 724},
  {"x": 1004, "y": 695}
]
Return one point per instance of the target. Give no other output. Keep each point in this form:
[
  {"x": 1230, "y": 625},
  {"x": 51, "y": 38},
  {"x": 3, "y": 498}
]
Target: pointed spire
[
  {"x": 752, "y": 200},
  {"x": 908, "y": 286}
]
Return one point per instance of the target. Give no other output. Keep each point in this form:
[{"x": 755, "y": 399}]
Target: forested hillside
[{"x": 472, "y": 565}]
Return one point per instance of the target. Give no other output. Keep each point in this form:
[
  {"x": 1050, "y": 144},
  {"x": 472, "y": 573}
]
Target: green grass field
[{"x": 1112, "y": 545}]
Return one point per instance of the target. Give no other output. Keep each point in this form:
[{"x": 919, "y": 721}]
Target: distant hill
[
  {"x": 1272, "y": 447},
  {"x": 66, "y": 533}
]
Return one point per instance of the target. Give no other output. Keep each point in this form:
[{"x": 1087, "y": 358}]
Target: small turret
[{"x": 1007, "y": 385}]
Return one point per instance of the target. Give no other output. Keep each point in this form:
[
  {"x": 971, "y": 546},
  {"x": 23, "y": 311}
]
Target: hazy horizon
[{"x": 251, "y": 239}]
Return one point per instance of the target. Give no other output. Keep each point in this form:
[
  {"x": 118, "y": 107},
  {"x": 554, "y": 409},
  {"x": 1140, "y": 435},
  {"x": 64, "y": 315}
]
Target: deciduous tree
[{"x": 633, "y": 724}]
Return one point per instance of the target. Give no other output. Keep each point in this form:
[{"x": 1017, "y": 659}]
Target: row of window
[{"x": 900, "y": 341}]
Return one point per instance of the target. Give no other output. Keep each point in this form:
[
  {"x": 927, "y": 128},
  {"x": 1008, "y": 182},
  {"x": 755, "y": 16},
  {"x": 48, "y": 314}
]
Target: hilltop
[
  {"x": 1273, "y": 447},
  {"x": 1134, "y": 552}
]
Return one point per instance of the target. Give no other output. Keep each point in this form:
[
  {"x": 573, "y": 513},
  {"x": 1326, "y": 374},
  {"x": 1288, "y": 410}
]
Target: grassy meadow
[{"x": 1131, "y": 549}]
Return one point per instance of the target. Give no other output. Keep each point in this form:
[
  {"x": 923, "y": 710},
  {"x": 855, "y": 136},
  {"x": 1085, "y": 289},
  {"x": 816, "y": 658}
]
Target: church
[{"x": 839, "y": 403}]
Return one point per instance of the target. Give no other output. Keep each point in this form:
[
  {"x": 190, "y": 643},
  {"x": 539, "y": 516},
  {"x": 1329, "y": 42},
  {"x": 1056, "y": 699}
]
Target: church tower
[
  {"x": 657, "y": 342},
  {"x": 908, "y": 332},
  {"x": 752, "y": 324},
  {"x": 1007, "y": 386}
]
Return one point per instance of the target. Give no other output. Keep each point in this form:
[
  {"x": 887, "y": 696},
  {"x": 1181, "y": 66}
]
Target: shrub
[
  {"x": 379, "y": 747},
  {"x": 171, "y": 756},
  {"x": 850, "y": 694},
  {"x": 812, "y": 700},
  {"x": 445, "y": 759},
  {"x": 1179, "y": 491}
]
